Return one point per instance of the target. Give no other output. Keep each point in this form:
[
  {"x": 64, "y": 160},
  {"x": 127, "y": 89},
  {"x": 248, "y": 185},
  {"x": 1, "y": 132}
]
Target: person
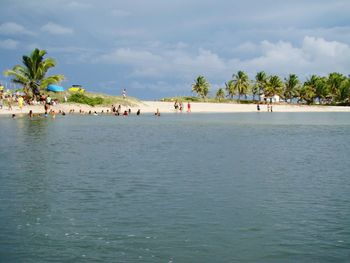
[
  {"x": 181, "y": 106},
  {"x": 9, "y": 102},
  {"x": 138, "y": 112},
  {"x": 119, "y": 109},
  {"x": 46, "y": 107},
  {"x": 188, "y": 107},
  {"x": 258, "y": 107},
  {"x": 65, "y": 98},
  {"x": 124, "y": 93},
  {"x": 30, "y": 114},
  {"x": 129, "y": 111},
  {"x": 268, "y": 107},
  {"x": 95, "y": 113},
  {"x": 125, "y": 113},
  {"x": 48, "y": 100},
  {"x": 13, "y": 116},
  {"x": 1, "y": 100},
  {"x": 20, "y": 102},
  {"x": 176, "y": 105},
  {"x": 157, "y": 113},
  {"x": 271, "y": 108}
]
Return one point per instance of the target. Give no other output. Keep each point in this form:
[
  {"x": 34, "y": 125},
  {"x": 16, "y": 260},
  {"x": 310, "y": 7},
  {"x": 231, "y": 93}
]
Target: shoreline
[{"x": 168, "y": 107}]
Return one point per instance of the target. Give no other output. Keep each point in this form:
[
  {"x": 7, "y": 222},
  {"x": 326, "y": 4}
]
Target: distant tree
[
  {"x": 344, "y": 91},
  {"x": 230, "y": 88},
  {"x": 201, "y": 86},
  {"x": 241, "y": 83},
  {"x": 290, "y": 85},
  {"x": 308, "y": 91},
  {"x": 273, "y": 87},
  {"x": 260, "y": 82},
  {"x": 255, "y": 91},
  {"x": 32, "y": 75},
  {"x": 322, "y": 90},
  {"x": 334, "y": 83},
  {"x": 220, "y": 94}
]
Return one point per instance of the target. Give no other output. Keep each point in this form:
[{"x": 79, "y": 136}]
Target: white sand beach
[{"x": 168, "y": 107}]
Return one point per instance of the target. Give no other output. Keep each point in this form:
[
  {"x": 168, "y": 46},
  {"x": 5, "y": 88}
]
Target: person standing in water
[{"x": 188, "y": 107}]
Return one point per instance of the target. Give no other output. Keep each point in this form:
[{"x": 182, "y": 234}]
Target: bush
[{"x": 83, "y": 99}]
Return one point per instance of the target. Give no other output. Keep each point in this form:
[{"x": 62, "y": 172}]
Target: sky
[{"x": 157, "y": 48}]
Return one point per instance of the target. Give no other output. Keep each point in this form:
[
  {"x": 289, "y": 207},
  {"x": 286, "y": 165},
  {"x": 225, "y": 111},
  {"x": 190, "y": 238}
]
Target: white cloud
[
  {"x": 120, "y": 13},
  {"x": 8, "y": 44},
  {"x": 78, "y": 5},
  {"x": 312, "y": 56},
  {"x": 11, "y": 28},
  {"x": 56, "y": 29}
]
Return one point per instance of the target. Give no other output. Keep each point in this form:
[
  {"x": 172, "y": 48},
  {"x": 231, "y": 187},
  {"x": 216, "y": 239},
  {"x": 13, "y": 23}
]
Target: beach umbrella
[{"x": 55, "y": 88}]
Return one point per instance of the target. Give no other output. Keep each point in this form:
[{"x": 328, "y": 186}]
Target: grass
[{"x": 93, "y": 99}]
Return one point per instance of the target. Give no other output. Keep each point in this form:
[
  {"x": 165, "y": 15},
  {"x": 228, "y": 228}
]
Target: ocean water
[{"x": 244, "y": 187}]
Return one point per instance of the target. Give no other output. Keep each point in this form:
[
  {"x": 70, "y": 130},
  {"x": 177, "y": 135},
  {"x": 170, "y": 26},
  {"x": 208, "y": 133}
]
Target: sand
[{"x": 168, "y": 107}]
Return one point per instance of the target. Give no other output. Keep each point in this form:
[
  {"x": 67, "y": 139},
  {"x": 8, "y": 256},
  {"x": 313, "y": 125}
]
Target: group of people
[
  {"x": 269, "y": 107},
  {"x": 179, "y": 106}
]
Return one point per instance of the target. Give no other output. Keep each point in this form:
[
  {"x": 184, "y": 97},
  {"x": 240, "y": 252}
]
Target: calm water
[{"x": 247, "y": 187}]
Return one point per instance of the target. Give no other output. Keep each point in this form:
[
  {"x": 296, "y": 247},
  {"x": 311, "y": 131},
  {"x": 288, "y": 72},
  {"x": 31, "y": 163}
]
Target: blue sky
[{"x": 156, "y": 48}]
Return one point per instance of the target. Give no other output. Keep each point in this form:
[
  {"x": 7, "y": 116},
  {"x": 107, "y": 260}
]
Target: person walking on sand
[
  {"x": 9, "y": 102},
  {"x": 20, "y": 102},
  {"x": 176, "y": 105},
  {"x": 188, "y": 107},
  {"x": 1, "y": 100}
]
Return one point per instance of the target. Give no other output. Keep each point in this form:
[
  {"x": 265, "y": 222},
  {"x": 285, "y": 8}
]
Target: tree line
[{"x": 331, "y": 89}]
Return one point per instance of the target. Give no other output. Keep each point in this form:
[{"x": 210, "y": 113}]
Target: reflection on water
[{"x": 186, "y": 188}]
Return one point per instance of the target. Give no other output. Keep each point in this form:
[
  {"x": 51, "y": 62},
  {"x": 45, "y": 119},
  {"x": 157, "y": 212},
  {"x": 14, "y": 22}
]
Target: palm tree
[
  {"x": 290, "y": 85},
  {"x": 220, "y": 94},
  {"x": 201, "y": 86},
  {"x": 255, "y": 91},
  {"x": 334, "y": 82},
  {"x": 260, "y": 82},
  {"x": 321, "y": 89},
  {"x": 273, "y": 87},
  {"x": 230, "y": 88},
  {"x": 241, "y": 83},
  {"x": 33, "y": 74},
  {"x": 344, "y": 91}
]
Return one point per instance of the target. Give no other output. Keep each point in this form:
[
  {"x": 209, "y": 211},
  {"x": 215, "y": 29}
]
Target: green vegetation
[
  {"x": 333, "y": 89},
  {"x": 201, "y": 86},
  {"x": 33, "y": 74},
  {"x": 83, "y": 99}
]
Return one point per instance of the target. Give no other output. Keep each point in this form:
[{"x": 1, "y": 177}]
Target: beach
[{"x": 168, "y": 107}]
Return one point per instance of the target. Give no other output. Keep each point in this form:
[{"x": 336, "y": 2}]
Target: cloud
[
  {"x": 130, "y": 57},
  {"x": 78, "y": 5},
  {"x": 120, "y": 13},
  {"x": 313, "y": 56},
  {"x": 56, "y": 29},
  {"x": 11, "y": 28},
  {"x": 9, "y": 44}
]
